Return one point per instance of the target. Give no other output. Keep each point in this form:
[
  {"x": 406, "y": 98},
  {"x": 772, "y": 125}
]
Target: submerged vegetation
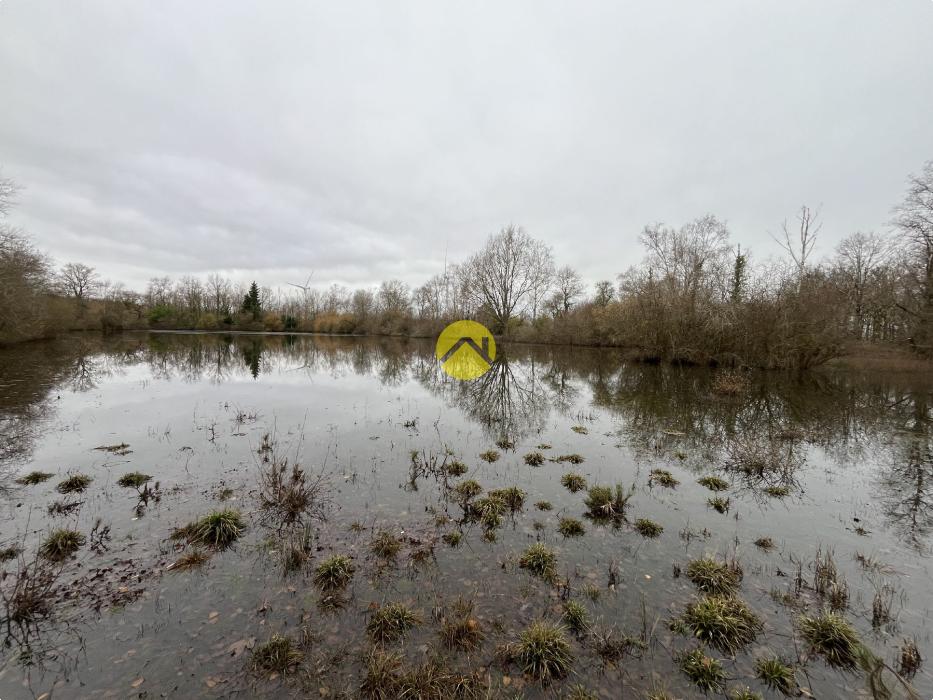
[
  {"x": 648, "y": 528},
  {"x": 33, "y": 478},
  {"x": 133, "y": 480},
  {"x": 76, "y": 483},
  {"x": 570, "y": 527}
]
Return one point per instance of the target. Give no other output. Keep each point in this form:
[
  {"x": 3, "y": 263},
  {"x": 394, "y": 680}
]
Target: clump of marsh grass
[
  {"x": 467, "y": 490},
  {"x": 489, "y": 456},
  {"x": 385, "y": 545},
  {"x": 543, "y": 652},
  {"x": 456, "y": 468},
  {"x": 488, "y": 511},
  {"x": 777, "y": 491},
  {"x": 194, "y": 559},
  {"x": 714, "y": 577},
  {"x": 610, "y": 645},
  {"x": 571, "y": 458},
  {"x": 288, "y": 496},
  {"x": 705, "y": 672},
  {"x": 540, "y": 561},
  {"x": 452, "y": 538},
  {"x": 543, "y": 446},
  {"x": 648, "y": 528},
  {"x": 571, "y": 527},
  {"x": 543, "y": 505},
  {"x": 604, "y": 502},
  {"x": 724, "y": 622},
  {"x": 459, "y": 627},
  {"x": 29, "y": 597},
  {"x": 591, "y": 591},
  {"x": 534, "y": 459},
  {"x": 662, "y": 477},
  {"x": 64, "y": 507},
  {"x": 391, "y": 622},
  {"x": 580, "y": 429},
  {"x": 8, "y": 553},
  {"x": 909, "y": 659},
  {"x": 133, "y": 480},
  {"x": 832, "y": 637},
  {"x": 334, "y": 572},
  {"x": 744, "y": 693},
  {"x": 61, "y": 544},
  {"x": 576, "y": 617},
  {"x": 713, "y": 483},
  {"x": 765, "y": 543},
  {"x": 218, "y": 529},
  {"x": 775, "y": 674},
  {"x": 505, "y": 444},
  {"x": 719, "y": 504},
  {"x": 513, "y": 497},
  {"x": 33, "y": 478},
  {"x": 76, "y": 483},
  {"x": 279, "y": 655},
  {"x": 387, "y": 677},
  {"x": 573, "y": 482}
]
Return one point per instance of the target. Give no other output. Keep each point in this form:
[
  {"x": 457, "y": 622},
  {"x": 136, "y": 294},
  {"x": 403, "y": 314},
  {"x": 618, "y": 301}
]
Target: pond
[{"x": 824, "y": 502}]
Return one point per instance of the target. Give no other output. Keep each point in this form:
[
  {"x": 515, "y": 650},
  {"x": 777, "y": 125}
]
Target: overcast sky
[{"x": 268, "y": 139}]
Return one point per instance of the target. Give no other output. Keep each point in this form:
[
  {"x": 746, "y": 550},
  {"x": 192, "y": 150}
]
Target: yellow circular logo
[{"x": 465, "y": 349}]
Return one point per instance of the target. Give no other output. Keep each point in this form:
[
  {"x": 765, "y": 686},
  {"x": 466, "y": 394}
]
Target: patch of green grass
[
  {"x": 605, "y": 502},
  {"x": 571, "y": 527},
  {"x": 744, "y": 693},
  {"x": 540, "y": 561},
  {"x": 576, "y": 617},
  {"x": 33, "y": 478},
  {"x": 777, "y": 491},
  {"x": 488, "y": 511},
  {"x": 832, "y": 637},
  {"x": 8, "y": 553},
  {"x": 573, "y": 482},
  {"x": 334, "y": 572},
  {"x": 714, "y": 577},
  {"x": 489, "y": 456},
  {"x": 534, "y": 459},
  {"x": 391, "y": 622},
  {"x": 133, "y": 480},
  {"x": 218, "y": 529},
  {"x": 775, "y": 674},
  {"x": 459, "y": 627},
  {"x": 705, "y": 672},
  {"x": 543, "y": 505},
  {"x": 648, "y": 528},
  {"x": 467, "y": 490},
  {"x": 663, "y": 477},
  {"x": 572, "y": 459},
  {"x": 452, "y": 538},
  {"x": 543, "y": 652},
  {"x": 580, "y": 429},
  {"x": 513, "y": 497},
  {"x": 76, "y": 483},
  {"x": 385, "y": 545},
  {"x": 723, "y": 622},
  {"x": 194, "y": 559},
  {"x": 279, "y": 655},
  {"x": 713, "y": 483},
  {"x": 719, "y": 504},
  {"x": 61, "y": 544},
  {"x": 456, "y": 468}
]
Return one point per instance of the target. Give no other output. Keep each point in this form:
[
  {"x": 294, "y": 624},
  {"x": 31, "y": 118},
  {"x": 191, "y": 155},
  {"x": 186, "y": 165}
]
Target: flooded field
[{"x": 568, "y": 525}]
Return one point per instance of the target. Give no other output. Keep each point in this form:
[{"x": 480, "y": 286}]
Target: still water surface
[{"x": 194, "y": 411}]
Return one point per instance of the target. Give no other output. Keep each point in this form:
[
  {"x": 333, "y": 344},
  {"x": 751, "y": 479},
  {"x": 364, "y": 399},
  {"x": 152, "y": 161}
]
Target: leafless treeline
[{"x": 695, "y": 297}]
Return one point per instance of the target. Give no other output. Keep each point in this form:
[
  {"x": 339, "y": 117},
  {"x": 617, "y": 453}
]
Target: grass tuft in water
[
  {"x": 489, "y": 456},
  {"x": 279, "y": 655},
  {"x": 194, "y": 559},
  {"x": 573, "y": 482},
  {"x": 571, "y": 458},
  {"x": 505, "y": 444},
  {"x": 579, "y": 692},
  {"x": 76, "y": 483},
  {"x": 580, "y": 429},
  {"x": 648, "y": 528},
  {"x": 576, "y": 617},
  {"x": 765, "y": 543},
  {"x": 744, "y": 693},
  {"x": 714, "y": 577},
  {"x": 467, "y": 490},
  {"x": 61, "y": 544},
  {"x": 534, "y": 459},
  {"x": 571, "y": 527},
  {"x": 540, "y": 561},
  {"x": 543, "y": 505},
  {"x": 218, "y": 529},
  {"x": 488, "y": 511},
  {"x": 777, "y": 491},
  {"x": 713, "y": 483},
  {"x": 33, "y": 478},
  {"x": 334, "y": 572},
  {"x": 544, "y": 652},
  {"x": 663, "y": 477},
  {"x": 391, "y": 622},
  {"x": 705, "y": 672},
  {"x": 452, "y": 538},
  {"x": 719, "y": 504},
  {"x": 724, "y": 622},
  {"x": 459, "y": 627},
  {"x": 456, "y": 468},
  {"x": 385, "y": 545},
  {"x": 133, "y": 480},
  {"x": 775, "y": 674},
  {"x": 604, "y": 502},
  {"x": 8, "y": 553},
  {"x": 909, "y": 659},
  {"x": 832, "y": 637},
  {"x": 513, "y": 497}
]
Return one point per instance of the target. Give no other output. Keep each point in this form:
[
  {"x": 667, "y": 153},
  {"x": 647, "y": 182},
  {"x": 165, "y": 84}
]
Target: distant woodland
[{"x": 696, "y": 297}]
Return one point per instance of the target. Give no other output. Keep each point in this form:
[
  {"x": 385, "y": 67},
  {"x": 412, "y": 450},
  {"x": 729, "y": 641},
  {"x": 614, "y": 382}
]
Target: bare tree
[
  {"x": 8, "y": 190},
  {"x": 78, "y": 280},
  {"x": 605, "y": 293},
  {"x": 502, "y": 277},
  {"x": 799, "y": 244},
  {"x": 219, "y": 294},
  {"x": 914, "y": 219},
  {"x": 568, "y": 287},
  {"x": 857, "y": 258}
]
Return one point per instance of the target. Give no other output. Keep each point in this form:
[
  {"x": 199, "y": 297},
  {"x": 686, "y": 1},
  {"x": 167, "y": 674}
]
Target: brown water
[{"x": 193, "y": 409}]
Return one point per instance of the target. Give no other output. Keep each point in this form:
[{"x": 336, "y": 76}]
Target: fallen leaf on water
[{"x": 138, "y": 682}]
